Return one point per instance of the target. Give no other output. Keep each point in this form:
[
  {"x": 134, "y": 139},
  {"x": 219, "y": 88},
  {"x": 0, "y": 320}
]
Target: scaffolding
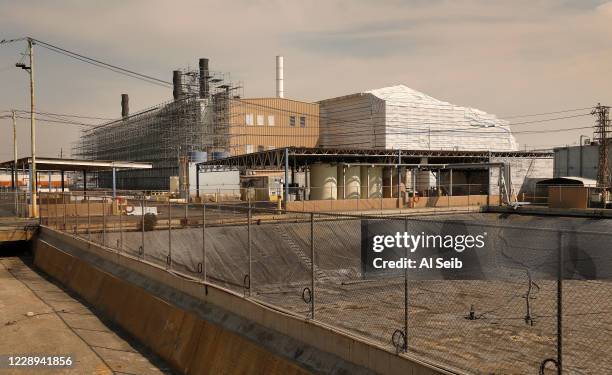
[{"x": 195, "y": 122}]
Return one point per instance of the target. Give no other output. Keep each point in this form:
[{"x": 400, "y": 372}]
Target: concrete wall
[
  {"x": 207, "y": 329},
  {"x": 391, "y": 203},
  {"x": 192, "y": 345}
]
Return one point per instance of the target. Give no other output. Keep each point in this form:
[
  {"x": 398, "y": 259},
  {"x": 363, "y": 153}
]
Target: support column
[
  {"x": 307, "y": 183},
  {"x": 198, "y": 180},
  {"x": 450, "y": 187},
  {"x": 114, "y": 182},
  {"x": 85, "y": 182},
  {"x": 62, "y": 177},
  {"x": 286, "y": 175},
  {"x": 399, "y": 177}
]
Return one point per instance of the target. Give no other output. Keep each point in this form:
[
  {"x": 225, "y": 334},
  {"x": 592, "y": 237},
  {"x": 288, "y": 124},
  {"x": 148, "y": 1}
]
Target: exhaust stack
[
  {"x": 125, "y": 105},
  {"x": 177, "y": 84},
  {"x": 204, "y": 89},
  {"x": 280, "y": 89}
]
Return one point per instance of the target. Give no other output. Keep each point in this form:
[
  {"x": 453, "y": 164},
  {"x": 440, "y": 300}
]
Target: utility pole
[
  {"x": 15, "y": 170},
  {"x": 601, "y": 135},
  {"x": 33, "y": 131}
]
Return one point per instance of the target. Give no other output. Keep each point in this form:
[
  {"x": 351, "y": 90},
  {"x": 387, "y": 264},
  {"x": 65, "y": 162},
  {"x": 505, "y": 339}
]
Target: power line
[
  {"x": 546, "y": 113},
  {"x": 65, "y": 115},
  {"x": 56, "y": 121},
  {"x": 102, "y": 64}
]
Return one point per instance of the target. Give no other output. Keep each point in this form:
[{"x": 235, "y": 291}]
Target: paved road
[{"x": 37, "y": 316}]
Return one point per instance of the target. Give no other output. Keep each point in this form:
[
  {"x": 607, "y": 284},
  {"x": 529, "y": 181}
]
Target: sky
[{"x": 508, "y": 58}]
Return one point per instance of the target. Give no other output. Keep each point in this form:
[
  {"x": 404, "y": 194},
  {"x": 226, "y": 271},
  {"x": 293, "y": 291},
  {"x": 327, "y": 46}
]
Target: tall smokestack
[
  {"x": 177, "y": 84},
  {"x": 204, "y": 90},
  {"x": 280, "y": 90},
  {"x": 125, "y": 105}
]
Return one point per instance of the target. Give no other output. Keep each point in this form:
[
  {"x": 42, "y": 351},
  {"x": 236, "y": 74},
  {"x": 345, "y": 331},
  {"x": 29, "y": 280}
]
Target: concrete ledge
[
  {"x": 310, "y": 345},
  {"x": 539, "y": 210},
  {"x": 160, "y": 325}
]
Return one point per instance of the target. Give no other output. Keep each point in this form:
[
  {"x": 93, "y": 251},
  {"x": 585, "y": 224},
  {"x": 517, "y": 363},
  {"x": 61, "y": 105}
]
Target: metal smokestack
[
  {"x": 177, "y": 84},
  {"x": 280, "y": 89},
  {"x": 204, "y": 89},
  {"x": 125, "y": 105}
]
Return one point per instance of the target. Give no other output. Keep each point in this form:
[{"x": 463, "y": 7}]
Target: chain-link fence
[
  {"x": 13, "y": 203},
  {"x": 537, "y": 290}
]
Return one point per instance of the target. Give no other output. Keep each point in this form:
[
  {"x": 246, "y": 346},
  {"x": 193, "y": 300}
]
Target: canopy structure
[
  {"x": 57, "y": 164},
  {"x": 71, "y": 165}
]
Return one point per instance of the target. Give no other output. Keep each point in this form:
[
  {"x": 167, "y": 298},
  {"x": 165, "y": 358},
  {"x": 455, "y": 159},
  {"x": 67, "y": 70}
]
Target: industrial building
[
  {"x": 261, "y": 124},
  {"x": 398, "y": 117},
  {"x": 578, "y": 161},
  {"x": 342, "y": 174},
  {"x": 207, "y": 119}
]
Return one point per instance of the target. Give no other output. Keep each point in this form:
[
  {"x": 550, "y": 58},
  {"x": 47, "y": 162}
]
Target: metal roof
[
  {"x": 302, "y": 156},
  {"x": 57, "y": 164}
]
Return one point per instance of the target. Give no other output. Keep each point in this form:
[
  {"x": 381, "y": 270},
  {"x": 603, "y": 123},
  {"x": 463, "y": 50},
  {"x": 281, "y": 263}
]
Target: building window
[
  {"x": 260, "y": 120},
  {"x": 249, "y": 119},
  {"x": 249, "y": 149},
  {"x": 291, "y": 120},
  {"x": 302, "y": 122},
  {"x": 261, "y": 148},
  {"x": 270, "y": 120}
]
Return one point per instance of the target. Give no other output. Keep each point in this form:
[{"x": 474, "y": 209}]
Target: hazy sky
[{"x": 504, "y": 57}]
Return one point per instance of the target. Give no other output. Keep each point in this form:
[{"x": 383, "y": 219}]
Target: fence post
[
  {"x": 104, "y": 220},
  {"x": 76, "y": 215},
  {"x": 560, "y": 304},
  {"x": 470, "y": 193},
  {"x": 169, "y": 259},
  {"x": 88, "y": 219},
  {"x": 64, "y": 203},
  {"x": 312, "y": 267},
  {"x": 143, "y": 207},
  {"x": 204, "y": 241},
  {"x": 48, "y": 206},
  {"x": 250, "y": 248},
  {"x": 56, "y": 221},
  {"x": 186, "y": 212},
  {"x": 120, "y": 227},
  {"x": 406, "y": 292}
]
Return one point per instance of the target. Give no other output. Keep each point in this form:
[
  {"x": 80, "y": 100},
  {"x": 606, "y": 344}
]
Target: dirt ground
[{"x": 498, "y": 341}]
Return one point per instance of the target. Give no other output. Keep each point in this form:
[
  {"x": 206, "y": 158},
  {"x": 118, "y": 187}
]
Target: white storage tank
[
  {"x": 372, "y": 181},
  {"x": 324, "y": 182},
  {"x": 353, "y": 182}
]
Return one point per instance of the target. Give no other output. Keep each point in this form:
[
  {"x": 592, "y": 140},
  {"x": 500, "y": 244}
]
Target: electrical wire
[
  {"x": 104, "y": 65},
  {"x": 546, "y": 113}
]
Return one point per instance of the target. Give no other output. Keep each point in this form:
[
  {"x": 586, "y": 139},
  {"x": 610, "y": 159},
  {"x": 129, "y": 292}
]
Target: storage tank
[
  {"x": 324, "y": 181},
  {"x": 197, "y": 156},
  {"x": 353, "y": 182},
  {"x": 372, "y": 181}
]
